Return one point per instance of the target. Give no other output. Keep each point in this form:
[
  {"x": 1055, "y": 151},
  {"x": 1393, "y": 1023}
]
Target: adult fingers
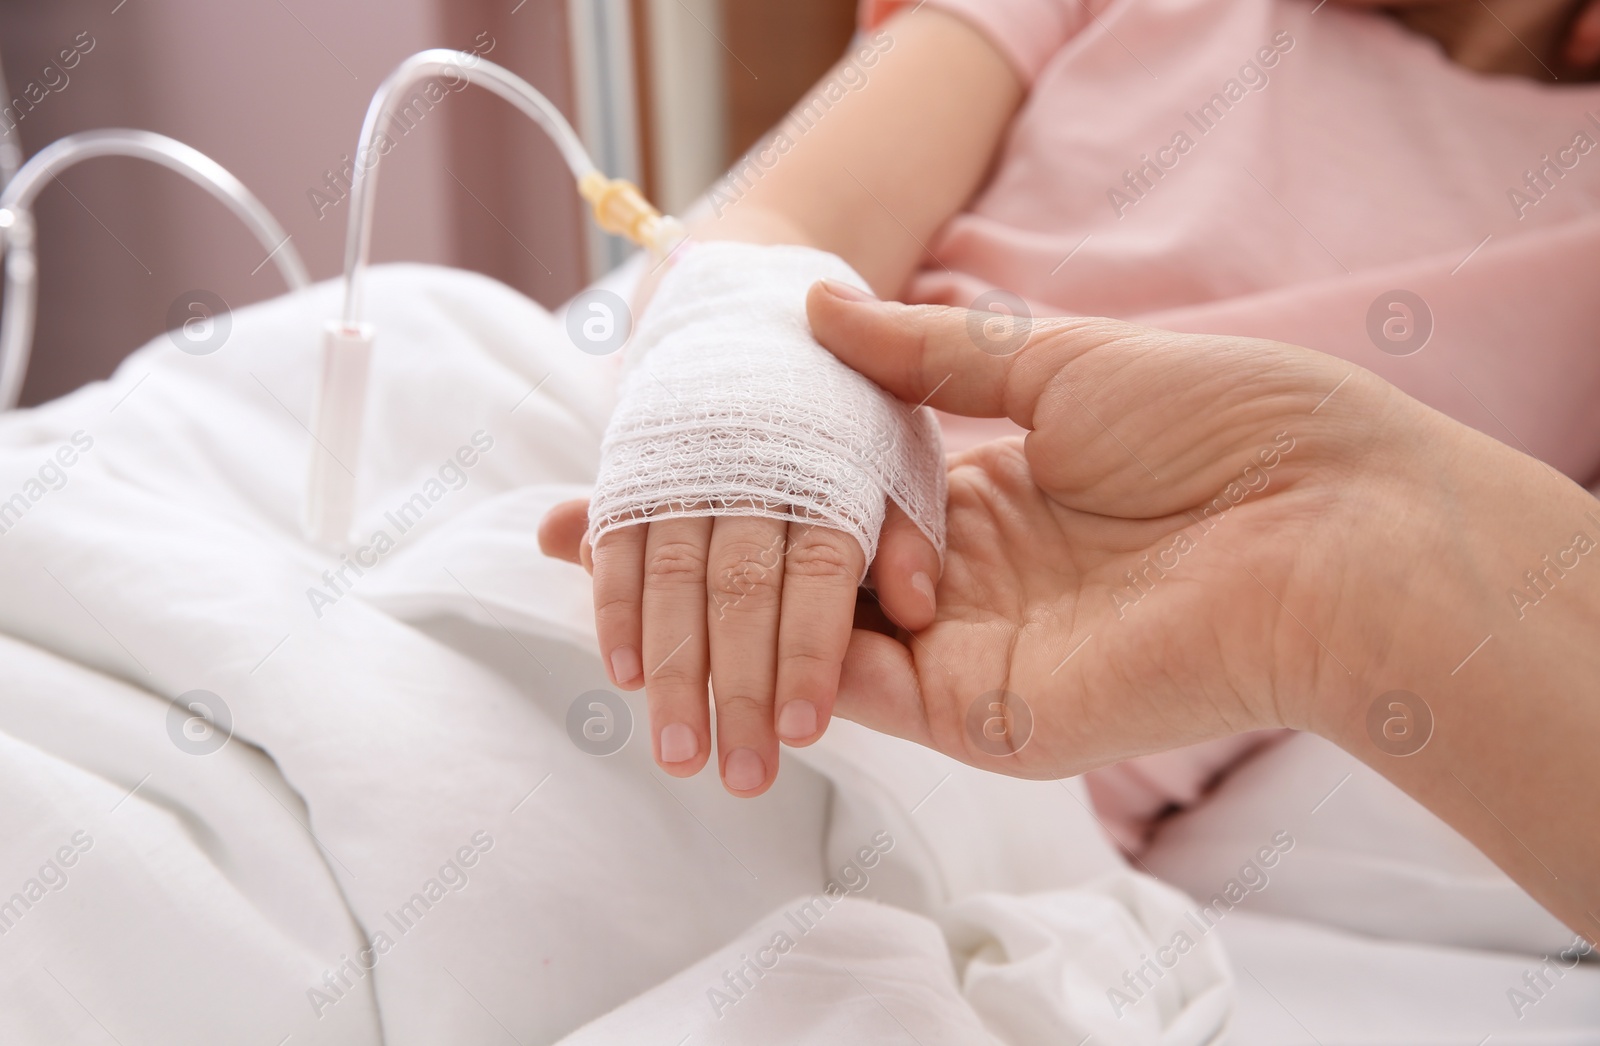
[
  {"x": 822, "y": 570},
  {"x": 562, "y": 529},
  {"x": 675, "y": 642},
  {"x": 618, "y": 602},
  {"x": 905, "y": 572},
  {"x": 941, "y": 356},
  {"x": 745, "y": 580}
]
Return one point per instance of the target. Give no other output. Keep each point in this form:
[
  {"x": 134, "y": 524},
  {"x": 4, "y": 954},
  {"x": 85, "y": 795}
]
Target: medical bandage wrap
[{"x": 729, "y": 407}]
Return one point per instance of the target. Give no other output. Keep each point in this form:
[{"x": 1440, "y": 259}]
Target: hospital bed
[{"x": 281, "y": 790}]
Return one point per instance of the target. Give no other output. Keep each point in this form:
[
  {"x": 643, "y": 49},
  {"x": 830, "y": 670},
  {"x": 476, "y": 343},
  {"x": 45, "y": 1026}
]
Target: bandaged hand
[{"x": 748, "y": 481}]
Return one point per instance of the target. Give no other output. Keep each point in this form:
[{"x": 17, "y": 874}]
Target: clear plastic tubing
[
  {"x": 391, "y": 94},
  {"x": 17, "y": 226},
  {"x": 348, "y": 343}
]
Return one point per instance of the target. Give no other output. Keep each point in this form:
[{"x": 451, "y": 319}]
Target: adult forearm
[
  {"x": 1495, "y": 669},
  {"x": 1205, "y": 535}
]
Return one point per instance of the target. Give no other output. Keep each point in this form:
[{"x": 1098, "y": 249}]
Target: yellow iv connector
[{"x": 621, "y": 209}]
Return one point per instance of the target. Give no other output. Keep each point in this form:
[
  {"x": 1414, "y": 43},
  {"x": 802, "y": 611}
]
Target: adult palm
[{"x": 1157, "y": 562}]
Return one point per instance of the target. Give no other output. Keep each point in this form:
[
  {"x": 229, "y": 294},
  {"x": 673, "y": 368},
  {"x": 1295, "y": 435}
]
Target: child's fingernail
[
  {"x": 797, "y": 721},
  {"x": 744, "y": 771},
  {"x": 678, "y": 744},
  {"x": 625, "y": 665},
  {"x": 847, "y": 291},
  {"x": 924, "y": 584}
]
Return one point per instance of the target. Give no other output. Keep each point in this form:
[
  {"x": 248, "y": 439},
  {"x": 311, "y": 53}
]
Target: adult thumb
[{"x": 950, "y": 358}]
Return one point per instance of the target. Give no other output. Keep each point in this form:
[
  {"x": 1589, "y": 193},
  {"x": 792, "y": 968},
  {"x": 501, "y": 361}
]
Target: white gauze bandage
[{"x": 729, "y": 407}]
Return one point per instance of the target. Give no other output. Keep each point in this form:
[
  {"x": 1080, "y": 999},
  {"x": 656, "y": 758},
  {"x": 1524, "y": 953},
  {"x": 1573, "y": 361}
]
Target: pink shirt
[
  {"x": 1271, "y": 169},
  {"x": 1267, "y": 168}
]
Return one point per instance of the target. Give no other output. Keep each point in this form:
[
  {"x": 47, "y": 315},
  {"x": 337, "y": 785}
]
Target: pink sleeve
[
  {"x": 1129, "y": 796},
  {"x": 1027, "y": 32}
]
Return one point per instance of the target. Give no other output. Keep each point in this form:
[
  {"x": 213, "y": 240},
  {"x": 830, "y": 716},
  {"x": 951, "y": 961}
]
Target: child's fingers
[
  {"x": 618, "y": 602},
  {"x": 821, "y": 573},
  {"x": 745, "y": 581},
  {"x": 562, "y": 530},
  {"x": 675, "y": 642},
  {"x": 906, "y": 571},
  {"x": 880, "y": 689}
]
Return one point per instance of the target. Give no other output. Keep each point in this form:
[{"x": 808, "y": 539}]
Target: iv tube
[{"x": 17, "y": 226}]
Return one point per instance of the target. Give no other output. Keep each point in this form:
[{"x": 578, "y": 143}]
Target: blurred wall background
[
  {"x": 275, "y": 90},
  {"x": 776, "y": 51}
]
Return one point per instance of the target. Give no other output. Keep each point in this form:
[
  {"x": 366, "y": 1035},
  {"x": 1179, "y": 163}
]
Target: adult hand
[
  {"x": 1204, "y": 535},
  {"x": 1165, "y": 559}
]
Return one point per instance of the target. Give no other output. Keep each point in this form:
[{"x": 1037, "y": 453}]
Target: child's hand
[{"x": 764, "y": 608}]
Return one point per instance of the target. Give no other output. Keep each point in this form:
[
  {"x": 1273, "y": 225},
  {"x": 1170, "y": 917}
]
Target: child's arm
[
  {"x": 875, "y": 176},
  {"x": 870, "y": 179}
]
